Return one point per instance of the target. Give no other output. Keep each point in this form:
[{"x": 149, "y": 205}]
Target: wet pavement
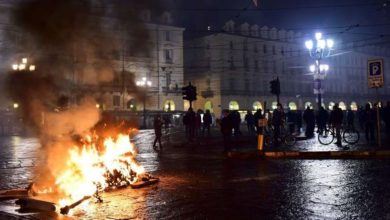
[{"x": 199, "y": 182}]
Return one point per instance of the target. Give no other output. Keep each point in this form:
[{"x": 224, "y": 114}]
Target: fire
[{"x": 93, "y": 168}]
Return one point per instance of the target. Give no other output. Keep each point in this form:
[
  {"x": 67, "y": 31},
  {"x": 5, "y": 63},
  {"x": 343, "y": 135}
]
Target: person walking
[
  {"x": 207, "y": 121},
  {"x": 256, "y": 117},
  {"x": 322, "y": 119},
  {"x": 350, "y": 118},
  {"x": 309, "y": 118},
  {"x": 250, "y": 122},
  {"x": 278, "y": 119},
  {"x": 336, "y": 119},
  {"x": 386, "y": 119},
  {"x": 157, "y": 125},
  {"x": 236, "y": 120},
  {"x": 369, "y": 117},
  {"x": 226, "y": 130},
  {"x": 190, "y": 122}
]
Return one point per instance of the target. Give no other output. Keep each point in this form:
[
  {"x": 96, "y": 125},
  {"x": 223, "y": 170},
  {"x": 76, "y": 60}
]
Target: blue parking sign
[{"x": 375, "y": 73}]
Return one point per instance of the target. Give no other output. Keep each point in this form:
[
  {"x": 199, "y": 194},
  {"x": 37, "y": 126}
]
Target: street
[{"x": 201, "y": 183}]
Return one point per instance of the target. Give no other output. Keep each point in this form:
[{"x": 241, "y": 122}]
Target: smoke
[{"x": 76, "y": 45}]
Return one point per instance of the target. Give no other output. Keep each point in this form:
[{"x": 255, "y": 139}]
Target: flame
[{"x": 93, "y": 168}]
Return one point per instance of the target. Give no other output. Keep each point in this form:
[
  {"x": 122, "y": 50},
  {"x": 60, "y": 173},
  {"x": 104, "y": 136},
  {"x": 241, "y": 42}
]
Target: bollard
[{"x": 260, "y": 141}]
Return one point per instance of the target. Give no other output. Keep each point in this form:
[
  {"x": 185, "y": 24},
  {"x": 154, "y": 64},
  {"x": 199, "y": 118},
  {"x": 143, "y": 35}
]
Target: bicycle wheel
[
  {"x": 290, "y": 140},
  {"x": 325, "y": 137},
  {"x": 351, "y": 136}
]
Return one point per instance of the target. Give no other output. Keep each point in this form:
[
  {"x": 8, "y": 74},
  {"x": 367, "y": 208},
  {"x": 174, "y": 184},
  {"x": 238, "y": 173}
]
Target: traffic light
[
  {"x": 189, "y": 93},
  {"x": 275, "y": 86}
]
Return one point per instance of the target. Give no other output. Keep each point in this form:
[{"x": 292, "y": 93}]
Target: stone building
[{"x": 232, "y": 69}]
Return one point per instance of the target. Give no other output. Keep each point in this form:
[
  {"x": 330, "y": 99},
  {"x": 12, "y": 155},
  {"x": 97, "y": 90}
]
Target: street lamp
[
  {"x": 318, "y": 49},
  {"x": 144, "y": 83},
  {"x": 23, "y": 65}
]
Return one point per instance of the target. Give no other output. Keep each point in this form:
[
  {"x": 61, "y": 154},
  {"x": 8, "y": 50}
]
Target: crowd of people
[{"x": 198, "y": 124}]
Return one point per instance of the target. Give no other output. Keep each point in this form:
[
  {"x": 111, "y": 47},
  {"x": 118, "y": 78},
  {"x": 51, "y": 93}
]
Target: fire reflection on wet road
[{"x": 201, "y": 183}]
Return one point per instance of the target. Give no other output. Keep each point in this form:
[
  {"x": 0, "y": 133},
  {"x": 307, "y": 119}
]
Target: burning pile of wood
[{"x": 91, "y": 169}]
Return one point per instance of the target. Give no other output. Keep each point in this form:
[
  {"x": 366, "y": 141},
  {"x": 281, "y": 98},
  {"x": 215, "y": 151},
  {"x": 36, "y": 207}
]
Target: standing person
[
  {"x": 309, "y": 118},
  {"x": 207, "y": 121},
  {"x": 291, "y": 119},
  {"x": 350, "y": 118},
  {"x": 236, "y": 120},
  {"x": 226, "y": 129},
  {"x": 322, "y": 119},
  {"x": 278, "y": 121},
  {"x": 299, "y": 121},
  {"x": 157, "y": 125},
  {"x": 190, "y": 118},
  {"x": 336, "y": 119},
  {"x": 386, "y": 119},
  {"x": 250, "y": 122},
  {"x": 369, "y": 117},
  {"x": 257, "y": 116},
  {"x": 198, "y": 123}
]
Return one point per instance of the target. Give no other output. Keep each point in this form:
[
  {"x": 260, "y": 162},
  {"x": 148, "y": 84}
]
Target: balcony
[{"x": 207, "y": 94}]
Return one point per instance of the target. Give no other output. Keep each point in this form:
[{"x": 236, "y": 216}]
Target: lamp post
[
  {"x": 318, "y": 49},
  {"x": 144, "y": 83}
]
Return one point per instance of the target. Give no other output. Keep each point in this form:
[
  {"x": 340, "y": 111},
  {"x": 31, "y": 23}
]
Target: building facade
[{"x": 233, "y": 69}]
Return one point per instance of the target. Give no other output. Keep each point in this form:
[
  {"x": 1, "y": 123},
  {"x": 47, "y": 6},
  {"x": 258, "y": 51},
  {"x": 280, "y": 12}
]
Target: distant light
[
  {"x": 324, "y": 67},
  {"x": 318, "y": 35},
  {"x": 309, "y": 44},
  {"x": 24, "y": 60},
  {"x": 15, "y": 66},
  {"x": 330, "y": 43},
  {"x": 32, "y": 68},
  {"x": 16, "y": 105},
  {"x": 321, "y": 44},
  {"x": 209, "y": 28},
  {"x": 312, "y": 68},
  {"x": 149, "y": 83},
  {"x": 97, "y": 106},
  {"x": 143, "y": 78},
  {"x": 22, "y": 66},
  {"x": 131, "y": 106}
]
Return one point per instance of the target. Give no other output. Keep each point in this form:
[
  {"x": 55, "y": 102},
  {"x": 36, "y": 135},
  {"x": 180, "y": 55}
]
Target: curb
[{"x": 380, "y": 154}]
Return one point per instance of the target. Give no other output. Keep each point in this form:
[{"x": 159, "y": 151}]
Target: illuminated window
[
  {"x": 169, "y": 105},
  {"x": 292, "y": 106},
  {"x": 233, "y": 105},
  {"x": 308, "y": 104},
  {"x": 330, "y": 106},
  {"x": 354, "y": 106},
  {"x": 274, "y": 105},
  {"x": 257, "y": 105},
  {"x": 209, "y": 106},
  {"x": 342, "y": 106}
]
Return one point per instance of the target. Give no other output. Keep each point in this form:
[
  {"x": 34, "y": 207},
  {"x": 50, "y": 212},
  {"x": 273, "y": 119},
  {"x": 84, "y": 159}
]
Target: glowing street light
[
  {"x": 145, "y": 83},
  {"x": 23, "y": 66},
  {"x": 318, "y": 49},
  {"x": 16, "y": 105}
]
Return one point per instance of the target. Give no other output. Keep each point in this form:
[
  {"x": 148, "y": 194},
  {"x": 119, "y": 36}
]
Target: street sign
[{"x": 375, "y": 73}]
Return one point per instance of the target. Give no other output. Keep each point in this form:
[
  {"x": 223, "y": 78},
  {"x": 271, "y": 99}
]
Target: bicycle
[
  {"x": 327, "y": 136},
  {"x": 285, "y": 136}
]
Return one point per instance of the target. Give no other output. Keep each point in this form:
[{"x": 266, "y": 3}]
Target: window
[
  {"x": 247, "y": 84},
  {"x": 167, "y": 35},
  {"x": 282, "y": 51},
  {"x": 245, "y": 44},
  {"x": 168, "y": 54},
  {"x": 256, "y": 65},
  {"x": 231, "y": 45},
  {"x": 208, "y": 63},
  {"x": 231, "y": 84},
  {"x": 116, "y": 100},
  {"x": 264, "y": 49},
  {"x": 231, "y": 63},
  {"x": 255, "y": 49},
  {"x": 246, "y": 63},
  {"x": 168, "y": 77},
  {"x": 273, "y": 50}
]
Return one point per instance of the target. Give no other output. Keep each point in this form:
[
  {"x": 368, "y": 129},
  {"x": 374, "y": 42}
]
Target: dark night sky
[{"x": 306, "y": 16}]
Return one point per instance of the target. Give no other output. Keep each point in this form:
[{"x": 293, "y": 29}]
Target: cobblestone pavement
[{"x": 199, "y": 182}]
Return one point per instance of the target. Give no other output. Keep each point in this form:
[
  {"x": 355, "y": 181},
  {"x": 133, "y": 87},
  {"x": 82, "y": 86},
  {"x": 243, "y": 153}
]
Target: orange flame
[{"x": 90, "y": 169}]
